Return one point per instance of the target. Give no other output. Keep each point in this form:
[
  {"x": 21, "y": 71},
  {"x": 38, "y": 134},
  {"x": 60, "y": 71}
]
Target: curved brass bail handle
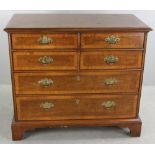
[
  {"x": 46, "y": 82},
  {"x": 110, "y": 81},
  {"x": 113, "y": 39},
  {"x": 108, "y": 104},
  {"x": 47, "y": 105},
  {"x": 111, "y": 59},
  {"x": 45, "y": 60},
  {"x": 45, "y": 40}
]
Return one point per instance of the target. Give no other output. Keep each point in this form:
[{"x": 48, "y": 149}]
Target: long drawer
[
  {"x": 111, "y": 59},
  {"x": 112, "y": 40},
  {"x": 76, "y": 107},
  {"x": 71, "y": 82},
  {"x": 34, "y": 60},
  {"x": 44, "y": 41}
]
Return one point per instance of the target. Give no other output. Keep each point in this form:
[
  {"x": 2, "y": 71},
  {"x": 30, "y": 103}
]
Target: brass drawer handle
[
  {"x": 108, "y": 104},
  {"x": 110, "y": 81},
  {"x": 47, "y": 105},
  {"x": 111, "y": 59},
  {"x": 112, "y": 39},
  {"x": 45, "y": 40},
  {"x": 45, "y": 82},
  {"x": 45, "y": 60}
]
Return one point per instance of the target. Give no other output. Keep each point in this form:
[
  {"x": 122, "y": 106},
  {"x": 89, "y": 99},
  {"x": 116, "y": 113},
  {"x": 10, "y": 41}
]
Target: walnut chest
[{"x": 76, "y": 70}]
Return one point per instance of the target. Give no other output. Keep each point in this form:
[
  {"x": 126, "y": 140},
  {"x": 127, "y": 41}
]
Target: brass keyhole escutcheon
[
  {"x": 78, "y": 78},
  {"x": 77, "y": 101}
]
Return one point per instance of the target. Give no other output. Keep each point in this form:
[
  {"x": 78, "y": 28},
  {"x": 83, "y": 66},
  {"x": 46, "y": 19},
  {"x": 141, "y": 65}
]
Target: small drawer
[
  {"x": 111, "y": 60},
  {"x": 112, "y": 40},
  {"x": 69, "y": 83},
  {"x": 44, "y": 41},
  {"x": 44, "y": 60},
  {"x": 76, "y": 107}
]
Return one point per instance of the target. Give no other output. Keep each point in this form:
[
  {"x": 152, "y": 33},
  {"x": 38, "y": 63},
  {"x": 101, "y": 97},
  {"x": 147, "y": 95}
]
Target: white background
[{"x": 147, "y": 16}]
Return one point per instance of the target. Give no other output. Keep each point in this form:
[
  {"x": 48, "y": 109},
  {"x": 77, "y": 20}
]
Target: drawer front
[
  {"x": 111, "y": 60},
  {"x": 112, "y": 40},
  {"x": 44, "y": 41},
  {"x": 76, "y": 107},
  {"x": 45, "y": 60},
  {"x": 86, "y": 82}
]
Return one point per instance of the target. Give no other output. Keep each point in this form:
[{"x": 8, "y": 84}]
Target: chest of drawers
[{"x": 76, "y": 70}]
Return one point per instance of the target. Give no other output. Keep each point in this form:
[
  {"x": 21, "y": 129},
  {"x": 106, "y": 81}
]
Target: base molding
[{"x": 19, "y": 127}]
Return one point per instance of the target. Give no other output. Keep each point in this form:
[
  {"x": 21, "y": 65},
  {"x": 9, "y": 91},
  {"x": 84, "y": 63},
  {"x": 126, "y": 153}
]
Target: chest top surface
[{"x": 76, "y": 22}]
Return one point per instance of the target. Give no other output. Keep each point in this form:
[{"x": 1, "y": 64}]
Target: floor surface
[{"x": 85, "y": 135}]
